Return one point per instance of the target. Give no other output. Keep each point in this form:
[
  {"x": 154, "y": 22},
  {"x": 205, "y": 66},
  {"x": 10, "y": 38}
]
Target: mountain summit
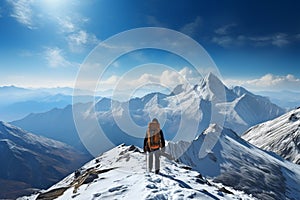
[{"x": 121, "y": 174}]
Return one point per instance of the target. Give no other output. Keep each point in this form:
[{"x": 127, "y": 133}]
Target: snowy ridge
[
  {"x": 121, "y": 174},
  {"x": 236, "y": 163},
  {"x": 281, "y": 135}
]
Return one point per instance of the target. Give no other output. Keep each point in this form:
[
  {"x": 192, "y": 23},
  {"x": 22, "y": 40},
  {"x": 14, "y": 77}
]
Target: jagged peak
[
  {"x": 218, "y": 130},
  {"x": 181, "y": 88},
  {"x": 213, "y": 128},
  {"x": 239, "y": 90},
  {"x": 211, "y": 77}
]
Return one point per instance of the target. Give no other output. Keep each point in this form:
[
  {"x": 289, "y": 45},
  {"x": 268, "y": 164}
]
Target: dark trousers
[{"x": 156, "y": 155}]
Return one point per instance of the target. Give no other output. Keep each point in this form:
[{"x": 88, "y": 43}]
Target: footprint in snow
[
  {"x": 118, "y": 188},
  {"x": 97, "y": 195},
  {"x": 177, "y": 191},
  {"x": 155, "y": 180},
  {"x": 151, "y": 186}
]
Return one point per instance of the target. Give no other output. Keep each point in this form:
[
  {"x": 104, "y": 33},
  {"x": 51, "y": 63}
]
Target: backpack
[{"x": 153, "y": 135}]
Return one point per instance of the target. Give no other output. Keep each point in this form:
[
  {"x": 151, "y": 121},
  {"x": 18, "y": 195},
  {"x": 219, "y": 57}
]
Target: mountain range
[
  {"x": 285, "y": 99},
  {"x": 236, "y": 163},
  {"x": 194, "y": 108},
  {"x": 202, "y": 124},
  {"x": 30, "y": 162},
  {"x": 280, "y": 135},
  {"x": 17, "y": 102}
]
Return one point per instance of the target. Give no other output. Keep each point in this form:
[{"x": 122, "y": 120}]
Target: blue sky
[{"x": 254, "y": 43}]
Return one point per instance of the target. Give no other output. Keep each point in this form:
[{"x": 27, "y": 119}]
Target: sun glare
[
  {"x": 54, "y": 6},
  {"x": 53, "y": 3}
]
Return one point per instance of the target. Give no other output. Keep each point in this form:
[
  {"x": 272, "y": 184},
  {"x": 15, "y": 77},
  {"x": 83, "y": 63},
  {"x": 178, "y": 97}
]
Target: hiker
[{"x": 154, "y": 142}]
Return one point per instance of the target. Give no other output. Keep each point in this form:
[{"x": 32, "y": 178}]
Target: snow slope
[
  {"x": 236, "y": 163},
  {"x": 281, "y": 135},
  {"x": 120, "y": 174}
]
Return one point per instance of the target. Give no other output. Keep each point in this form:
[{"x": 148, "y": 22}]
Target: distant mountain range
[
  {"x": 30, "y": 162},
  {"x": 285, "y": 99},
  {"x": 16, "y": 102},
  {"x": 198, "y": 106},
  {"x": 280, "y": 135}
]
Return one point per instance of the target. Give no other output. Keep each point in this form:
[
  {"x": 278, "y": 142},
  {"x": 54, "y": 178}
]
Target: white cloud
[
  {"x": 268, "y": 82},
  {"x": 55, "y": 58},
  {"x": 167, "y": 78},
  {"x": 78, "y": 40},
  {"x": 70, "y": 25},
  {"x": 280, "y": 40},
  {"x": 192, "y": 27},
  {"x": 224, "y": 30},
  {"x": 22, "y": 11},
  {"x": 66, "y": 24},
  {"x": 224, "y": 39},
  {"x": 109, "y": 82},
  {"x": 190, "y": 75}
]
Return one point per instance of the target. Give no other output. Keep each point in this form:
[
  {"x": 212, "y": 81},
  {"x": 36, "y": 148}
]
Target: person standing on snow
[{"x": 153, "y": 143}]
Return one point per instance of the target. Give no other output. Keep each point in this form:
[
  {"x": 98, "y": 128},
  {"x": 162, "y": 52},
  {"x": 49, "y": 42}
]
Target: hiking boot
[{"x": 157, "y": 171}]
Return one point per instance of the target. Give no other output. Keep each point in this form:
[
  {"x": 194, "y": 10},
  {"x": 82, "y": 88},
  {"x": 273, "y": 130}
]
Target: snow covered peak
[
  {"x": 218, "y": 131},
  {"x": 281, "y": 135},
  {"x": 212, "y": 79},
  {"x": 208, "y": 87},
  {"x": 240, "y": 90},
  {"x": 121, "y": 174},
  {"x": 211, "y": 88},
  {"x": 234, "y": 162},
  {"x": 213, "y": 128}
]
